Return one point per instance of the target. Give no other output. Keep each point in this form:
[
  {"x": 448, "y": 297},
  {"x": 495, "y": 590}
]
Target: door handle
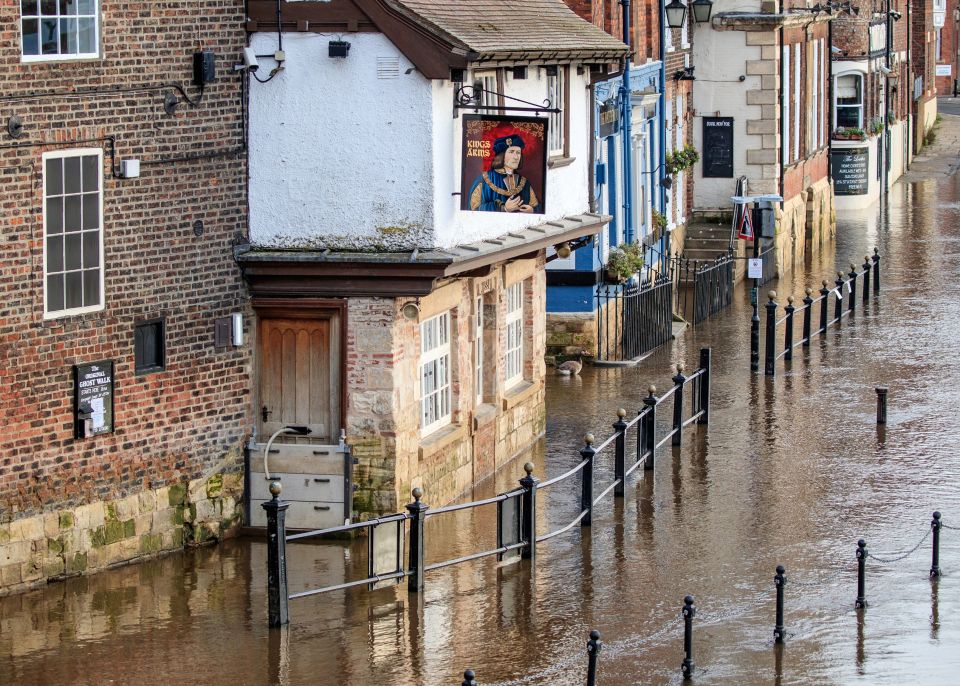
[{"x": 265, "y": 413}]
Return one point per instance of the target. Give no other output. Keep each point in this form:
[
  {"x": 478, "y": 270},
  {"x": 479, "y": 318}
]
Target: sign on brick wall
[{"x": 93, "y": 398}]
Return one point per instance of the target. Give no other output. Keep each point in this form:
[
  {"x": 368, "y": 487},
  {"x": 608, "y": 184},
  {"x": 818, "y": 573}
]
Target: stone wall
[
  {"x": 805, "y": 222},
  {"x": 77, "y": 540}
]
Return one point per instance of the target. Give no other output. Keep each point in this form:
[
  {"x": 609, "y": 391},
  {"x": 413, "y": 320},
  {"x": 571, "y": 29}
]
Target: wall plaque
[
  {"x": 850, "y": 169},
  {"x": 93, "y": 398},
  {"x": 718, "y": 147}
]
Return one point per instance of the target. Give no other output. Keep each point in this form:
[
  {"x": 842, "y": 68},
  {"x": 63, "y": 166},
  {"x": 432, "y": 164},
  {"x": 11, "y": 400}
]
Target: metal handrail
[
  {"x": 569, "y": 473},
  {"x": 348, "y": 527},
  {"x": 474, "y": 556},
  {"x": 607, "y": 490},
  {"x": 473, "y": 503},
  {"x": 350, "y": 584},
  {"x": 547, "y": 537}
]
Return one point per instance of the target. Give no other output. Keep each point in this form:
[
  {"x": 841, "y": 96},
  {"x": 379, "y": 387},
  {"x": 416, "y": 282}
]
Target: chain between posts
[{"x": 897, "y": 558}]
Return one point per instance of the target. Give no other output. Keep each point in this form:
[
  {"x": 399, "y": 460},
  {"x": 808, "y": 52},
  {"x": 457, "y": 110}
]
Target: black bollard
[
  {"x": 866, "y": 279},
  {"x": 688, "y": 613},
  {"x": 277, "y": 596},
  {"x": 528, "y": 514},
  {"x": 650, "y": 428},
  {"x": 619, "y": 448},
  {"x": 881, "y": 404},
  {"x": 418, "y": 515},
  {"x": 678, "y": 381},
  {"x": 807, "y": 316},
  {"x": 861, "y": 573},
  {"x": 586, "y": 480},
  {"x": 704, "y": 389},
  {"x": 935, "y": 525},
  {"x": 788, "y": 329},
  {"x": 593, "y": 649},
  {"x": 838, "y": 305},
  {"x": 770, "y": 344},
  {"x": 853, "y": 286},
  {"x": 876, "y": 270},
  {"x": 780, "y": 580},
  {"x": 824, "y": 307},
  {"x": 469, "y": 678}
]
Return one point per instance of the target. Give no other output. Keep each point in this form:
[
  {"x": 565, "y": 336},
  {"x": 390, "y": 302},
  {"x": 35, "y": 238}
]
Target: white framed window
[
  {"x": 72, "y": 232},
  {"x": 796, "y": 102},
  {"x": 785, "y": 106},
  {"x": 435, "y": 399},
  {"x": 555, "y": 132},
  {"x": 848, "y": 101},
  {"x": 514, "y": 322},
  {"x": 488, "y": 82},
  {"x": 478, "y": 348},
  {"x": 59, "y": 29},
  {"x": 681, "y": 142}
]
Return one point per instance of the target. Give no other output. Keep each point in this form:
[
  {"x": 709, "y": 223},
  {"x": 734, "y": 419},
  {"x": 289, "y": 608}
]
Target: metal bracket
[{"x": 468, "y": 98}]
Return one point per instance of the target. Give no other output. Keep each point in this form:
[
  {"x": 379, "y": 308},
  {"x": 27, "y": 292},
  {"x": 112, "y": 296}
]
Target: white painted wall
[
  {"x": 342, "y": 158},
  {"x": 338, "y": 156},
  {"x": 721, "y": 58},
  {"x": 567, "y": 187}
]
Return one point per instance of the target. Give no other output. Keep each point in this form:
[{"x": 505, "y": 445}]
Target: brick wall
[{"x": 171, "y": 427}]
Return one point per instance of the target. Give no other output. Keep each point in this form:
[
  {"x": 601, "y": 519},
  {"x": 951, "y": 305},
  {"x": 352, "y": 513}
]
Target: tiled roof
[{"x": 508, "y": 29}]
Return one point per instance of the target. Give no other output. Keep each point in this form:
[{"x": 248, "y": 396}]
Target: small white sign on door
[{"x": 755, "y": 268}]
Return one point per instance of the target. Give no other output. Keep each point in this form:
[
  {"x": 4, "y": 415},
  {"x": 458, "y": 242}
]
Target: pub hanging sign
[
  {"x": 504, "y": 165},
  {"x": 609, "y": 118},
  {"x": 93, "y": 398}
]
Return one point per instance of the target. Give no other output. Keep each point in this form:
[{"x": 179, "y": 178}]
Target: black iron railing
[
  {"x": 517, "y": 534},
  {"x": 633, "y": 319},
  {"x": 712, "y": 287},
  {"x": 844, "y": 296}
]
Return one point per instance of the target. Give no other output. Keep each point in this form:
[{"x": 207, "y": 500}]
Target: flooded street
[{"x": 791, "y": 470}]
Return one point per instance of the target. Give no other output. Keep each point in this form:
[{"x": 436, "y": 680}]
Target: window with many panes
[
  {"x": 848, "y": 96},
  {"x": 555, "y": 130},
  {"x": 435, "y": 373},
  {"x": 59, "y": 29},
  {"x": 73, "y": 234},
  {"x": 514, "y": 322}
]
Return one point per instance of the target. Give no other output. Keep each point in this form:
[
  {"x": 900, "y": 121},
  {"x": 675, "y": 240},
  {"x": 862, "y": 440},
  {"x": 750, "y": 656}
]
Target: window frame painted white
[
  {"x": 556, "y": 135},
  {"x": 47, "y": 196},
  {"x": 513, "y": 331},
  {"x": 796, "y": 101},
  {"x": 787, "y": 149},
  {"x": 478, "y": 349},
  {"x": 435, "y": 354},
  {"x": 59, "y": 56},
  {"x": 836, "y": 97}
]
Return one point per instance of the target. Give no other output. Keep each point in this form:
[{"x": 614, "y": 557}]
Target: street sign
[
  {"x": 745, "y": 230},
  {"x": 755, "y": 268}
]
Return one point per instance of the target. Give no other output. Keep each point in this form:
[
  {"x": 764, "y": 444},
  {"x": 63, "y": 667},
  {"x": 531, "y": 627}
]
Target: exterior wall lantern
[
  {"x": 701, "y": 10},
  {"x": 675, "y": 11}
]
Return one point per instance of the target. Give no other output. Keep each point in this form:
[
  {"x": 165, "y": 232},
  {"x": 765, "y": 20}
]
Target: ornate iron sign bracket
[{"x": 469, "y": 97}]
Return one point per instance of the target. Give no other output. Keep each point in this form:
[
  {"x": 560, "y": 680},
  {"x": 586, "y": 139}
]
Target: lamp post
[{"x": 626, "y": 115}]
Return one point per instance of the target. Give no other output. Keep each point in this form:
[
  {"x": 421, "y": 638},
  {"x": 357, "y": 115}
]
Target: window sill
[
  {"x": 558, "y": 162},
  {"x": 483, "y": 415},
  {"x": 517, "y": 394},
  {"x": 440, "y": 439}
]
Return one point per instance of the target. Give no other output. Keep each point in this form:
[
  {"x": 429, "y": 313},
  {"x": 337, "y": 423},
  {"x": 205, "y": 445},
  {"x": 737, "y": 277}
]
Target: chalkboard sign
[
  {"x": 718, "y": 147},
  {"x": 850, "y": 168},
  {"x": 93, "y": 398}
]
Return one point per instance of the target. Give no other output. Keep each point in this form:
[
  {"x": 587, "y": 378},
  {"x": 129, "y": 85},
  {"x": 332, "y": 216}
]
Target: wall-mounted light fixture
[
  {"x": 563, "y": 250},
  {"x": 338, "y": 48},
  {"x": 701, "y": 10},
  {"x": 411, "y": 311},
  {"x": 676, "y": 11}
]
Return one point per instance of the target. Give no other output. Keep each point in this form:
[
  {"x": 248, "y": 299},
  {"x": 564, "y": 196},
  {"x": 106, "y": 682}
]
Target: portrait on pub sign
[{"x": 504, "y": 164}]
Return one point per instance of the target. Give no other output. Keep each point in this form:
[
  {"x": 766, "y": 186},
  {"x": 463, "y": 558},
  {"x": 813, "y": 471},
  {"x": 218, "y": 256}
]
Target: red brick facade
[{"x": 188, "y": 420}]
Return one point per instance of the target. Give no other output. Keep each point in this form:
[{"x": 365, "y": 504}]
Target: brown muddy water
[{"x": 790, "y": 471}]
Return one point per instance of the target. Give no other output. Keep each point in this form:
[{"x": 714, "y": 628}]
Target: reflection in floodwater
[{"x": 792, "y": 470}]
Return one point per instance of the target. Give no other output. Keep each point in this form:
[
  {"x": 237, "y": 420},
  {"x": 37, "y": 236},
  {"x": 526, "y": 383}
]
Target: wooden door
[{"x": 300, "y": 376}]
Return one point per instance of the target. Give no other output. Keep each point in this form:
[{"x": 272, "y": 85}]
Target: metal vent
[{"x": 388, "y": 67}]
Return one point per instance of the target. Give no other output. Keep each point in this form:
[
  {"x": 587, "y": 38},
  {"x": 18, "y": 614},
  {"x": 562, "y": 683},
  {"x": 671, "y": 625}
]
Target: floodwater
[{"x": 791, "y": 470}]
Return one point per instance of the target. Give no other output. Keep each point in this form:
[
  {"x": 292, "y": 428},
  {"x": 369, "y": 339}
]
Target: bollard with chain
[
  {"x": 780, "y": 580},
  {"x": 418, "y": 515},
  {"x": 528, "y": 514},
  {"x": 593, "y": 650},
  {"x": 861, "y": 574},
  {"x": 853, "y": 286},
  {"x": 689, "y": 611},
  {"x": 650, "y": 428},
  {"x": 586, "y": 480},
  {"x": 866, "y": 279},
  {"x": 807, "y": 316},
  {"x": 824, "y": 307},
  {"x": 678, "y": 381},
  {"x": 619, "y": 448},
  {"x": 278, "y": 612},
  {"x": 876, "y": 270},
  {"x": 838, "y": 305},
  {"x": 770, "y": 348},
  {"x": 469, "y": 678},
  {"x": 703, "y": 390},
  {"x": 881, "y": 404},
  {"x": 935, "y": 525},
  {"x": 788, "y": 330}
]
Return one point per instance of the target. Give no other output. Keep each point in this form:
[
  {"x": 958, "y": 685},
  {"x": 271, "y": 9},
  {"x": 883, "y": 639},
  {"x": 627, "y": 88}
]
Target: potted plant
[
  {"x": 624, "y": 261},
  {"x": 856, "y": 133}
]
